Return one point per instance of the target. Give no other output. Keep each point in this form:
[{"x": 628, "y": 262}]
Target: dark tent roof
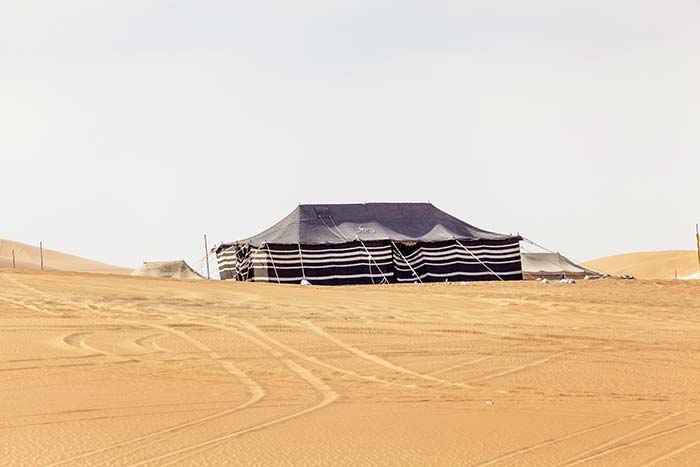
[{"x": 340, "y": 223}]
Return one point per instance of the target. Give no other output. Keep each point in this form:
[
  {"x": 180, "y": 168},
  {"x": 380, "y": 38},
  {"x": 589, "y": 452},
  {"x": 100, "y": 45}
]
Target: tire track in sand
[
  {"x": 516, "y": 369},
  {"x": 21, "y": 304},
  {"x": 150, "y": 342},
  {"x": 328, "y": 396},
  {"x": 613, "y": 444},
  {"x": 535, "y": 363},
  {"x": 460, "y": 365},
  {"x": 556, "y": 440},
  {"x": 77, "y": 339},
  {"x": 635, "y": 442},
  {"x": 27, "y": 306},
  {"x": 256, "y": 393},
  {"x": 255, "y": 330},
  {"x": 378, "y": 360},
  {"x": 670, "y": 454}
]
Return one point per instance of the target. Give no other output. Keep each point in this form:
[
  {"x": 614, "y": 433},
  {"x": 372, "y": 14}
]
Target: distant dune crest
[
  {"x": 28, "y": 257},
  {"x": 651, "y": 264}
]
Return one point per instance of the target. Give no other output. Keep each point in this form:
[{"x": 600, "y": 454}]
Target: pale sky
[{"x": 128, "y": 128}]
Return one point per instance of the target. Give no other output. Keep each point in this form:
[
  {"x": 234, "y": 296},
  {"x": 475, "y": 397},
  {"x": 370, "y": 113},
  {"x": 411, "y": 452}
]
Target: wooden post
[
  {"x": 41, "y": 254},
  {"x": 697, "y": 239},
  {"x": 14, "y": 264},
  {"x": 206, "y": 255}
]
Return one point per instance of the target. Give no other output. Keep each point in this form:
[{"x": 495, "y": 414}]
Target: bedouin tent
[
  {"x": 336, "y": 244},
  {"x": 168, "y": 269},
  {"x": 552, "y": 266}
]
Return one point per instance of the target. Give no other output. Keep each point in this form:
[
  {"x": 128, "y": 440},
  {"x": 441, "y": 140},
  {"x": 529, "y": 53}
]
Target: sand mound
[
  {"x": 650, "y": 265},
  {"x": 28, "y": 257}
]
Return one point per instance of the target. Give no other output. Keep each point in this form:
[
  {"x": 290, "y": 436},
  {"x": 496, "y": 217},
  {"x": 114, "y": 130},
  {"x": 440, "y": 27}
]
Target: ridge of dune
[
  {"x": 650, "y": 264},
  {"x": 28, "y": 257}
]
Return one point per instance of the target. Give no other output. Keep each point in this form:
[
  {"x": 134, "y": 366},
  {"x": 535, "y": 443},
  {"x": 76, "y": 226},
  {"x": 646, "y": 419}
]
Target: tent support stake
[
  {"x": 407, "y": 263},
  {"x": 476, "y": 258}
]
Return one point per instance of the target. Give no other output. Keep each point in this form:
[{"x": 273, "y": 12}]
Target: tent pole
[
  {"x": 476, "y": 258},
  {"x": 372, "y": 260},
  {"x": 273, "y": 263},
  {"x": 206, "y": 254},
  {"x": 407, "y": 263}
]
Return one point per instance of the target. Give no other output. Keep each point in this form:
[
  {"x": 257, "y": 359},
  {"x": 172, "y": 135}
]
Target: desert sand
[
  {"x": 119, "y": 370},
  {"x": 650, "y": 265},
  {"x": 28, "y": 257}
]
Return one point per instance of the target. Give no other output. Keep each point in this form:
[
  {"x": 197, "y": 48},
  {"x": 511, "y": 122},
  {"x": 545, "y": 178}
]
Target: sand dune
[
  {"x": 120, "y": 370},
  {"x": 28, "y": 257},
  {"x": 649, "y": 265}
]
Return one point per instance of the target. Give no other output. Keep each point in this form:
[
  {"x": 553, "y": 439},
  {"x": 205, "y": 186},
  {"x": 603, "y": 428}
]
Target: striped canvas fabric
[
  {"x": 337, "y": 251},
  {"x": 458, "y": 261},
  {"x": 347, "y": 263}
]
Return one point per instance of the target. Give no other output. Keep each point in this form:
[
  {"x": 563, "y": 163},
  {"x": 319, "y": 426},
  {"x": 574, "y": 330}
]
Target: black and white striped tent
[{"x": 336, "y": 244}]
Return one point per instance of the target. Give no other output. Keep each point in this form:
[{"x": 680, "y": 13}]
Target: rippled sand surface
[{"x": 116, "y": 370}]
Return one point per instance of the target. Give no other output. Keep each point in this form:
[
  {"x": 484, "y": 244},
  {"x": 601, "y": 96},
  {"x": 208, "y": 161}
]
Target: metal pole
[
  {"x": 41, "y": 254},
  {"x": 14, "y": 264},
  {"x": 206, "y": 254}
]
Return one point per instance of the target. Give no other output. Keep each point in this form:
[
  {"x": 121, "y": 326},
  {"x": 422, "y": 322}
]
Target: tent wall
[
  {"x": 372, "y": 262},
  {"x": 531, "y": 276},
  {"x": 455, "y": 261},
  {"x": 346, "y": 263},
  {"x": 234, "y": 262},
  {"x": 552, "y": 266}
]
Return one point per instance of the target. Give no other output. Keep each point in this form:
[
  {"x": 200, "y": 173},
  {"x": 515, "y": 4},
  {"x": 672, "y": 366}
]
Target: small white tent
[
  {"x": 168, "y": 269},
  {"x": 552, "y": 266}
]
